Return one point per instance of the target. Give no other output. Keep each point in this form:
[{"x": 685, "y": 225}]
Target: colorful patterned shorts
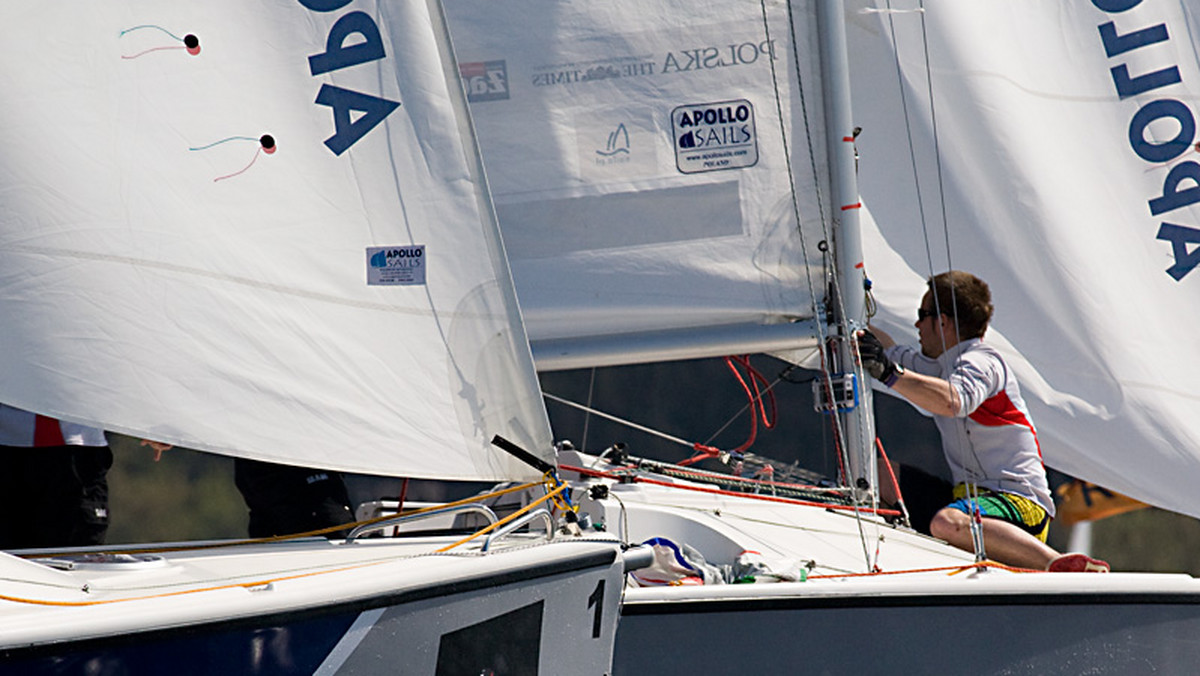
[{"x": 1019, "y": 511}]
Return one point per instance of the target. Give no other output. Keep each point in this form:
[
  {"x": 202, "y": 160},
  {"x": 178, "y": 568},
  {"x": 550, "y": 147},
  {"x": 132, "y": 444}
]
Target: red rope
[
  {"x": 755, "y": 397},
  {"x": 403, "y": 494},
  {"x": 702, "y": 453},
  {"x": 895, "y": 484}
]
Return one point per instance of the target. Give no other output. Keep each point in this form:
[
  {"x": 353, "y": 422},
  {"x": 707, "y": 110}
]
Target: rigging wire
[
  {"x": 975, "y": 518},
  {"x": 587, "y": 417},
  {"x": 815, "y": 305},
  {"x": 621, "y": 421},
  {"x": 840, "y": 445}
]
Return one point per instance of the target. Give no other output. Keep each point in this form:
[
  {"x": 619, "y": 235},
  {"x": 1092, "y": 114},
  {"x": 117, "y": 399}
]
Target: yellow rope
[
  {"x": 551, "y": 495},
  {"x": 312, "y": 533}
]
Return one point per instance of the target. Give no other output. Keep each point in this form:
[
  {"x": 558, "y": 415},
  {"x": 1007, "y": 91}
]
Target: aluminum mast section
[{"x": 850, "y": 309}]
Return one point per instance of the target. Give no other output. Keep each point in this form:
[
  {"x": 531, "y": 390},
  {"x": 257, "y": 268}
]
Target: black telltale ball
[
  {"x": 191, "y": 41},
  {"x": 267, "y": 141}
]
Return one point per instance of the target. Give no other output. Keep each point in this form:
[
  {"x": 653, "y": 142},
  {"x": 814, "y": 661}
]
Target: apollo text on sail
[
  {"x": 365, "y": 45},
  {"x": 1181, "y": 186}
]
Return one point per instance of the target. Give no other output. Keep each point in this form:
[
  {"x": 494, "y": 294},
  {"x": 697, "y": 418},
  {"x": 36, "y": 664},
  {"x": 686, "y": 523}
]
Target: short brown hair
[{"x": 966, "y": 299}]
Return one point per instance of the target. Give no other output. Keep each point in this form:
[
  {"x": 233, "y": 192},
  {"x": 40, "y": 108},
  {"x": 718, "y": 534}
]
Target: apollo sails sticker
[
  {"x": 714, "y": 136},
  {"x": 396, "y": 265}
]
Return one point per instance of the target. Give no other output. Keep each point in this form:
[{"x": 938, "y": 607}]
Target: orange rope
[
  {"x": 235, "y": 585},
  {"x": 954, "y": 570}
]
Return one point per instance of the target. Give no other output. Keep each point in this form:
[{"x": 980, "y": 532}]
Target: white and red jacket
[
  {"x": 991, "y": 441},
  {"x": 22, "y": 428}
]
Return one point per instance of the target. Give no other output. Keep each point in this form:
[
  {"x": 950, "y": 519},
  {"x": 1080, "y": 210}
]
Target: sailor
[
  {"x": 54, "y": 487},
  {"x": 286, "y": 499},
  {"x": 988, "y": 436}
]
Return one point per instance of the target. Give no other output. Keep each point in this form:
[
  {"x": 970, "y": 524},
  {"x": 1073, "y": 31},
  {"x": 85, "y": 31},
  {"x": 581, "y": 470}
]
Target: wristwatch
[{"x": 895, "y": 376}]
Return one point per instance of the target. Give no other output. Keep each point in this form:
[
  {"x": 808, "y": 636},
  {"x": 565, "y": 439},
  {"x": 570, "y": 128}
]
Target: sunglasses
[{"x": 922, "y": 313}]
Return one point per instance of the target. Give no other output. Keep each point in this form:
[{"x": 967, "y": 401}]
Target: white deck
[
  {"x": 45, "y": 605},
  {"x": 834, "y": 545}
]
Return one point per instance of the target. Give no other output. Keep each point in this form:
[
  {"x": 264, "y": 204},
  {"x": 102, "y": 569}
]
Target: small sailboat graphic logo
[{"x": 618, "y": 142}]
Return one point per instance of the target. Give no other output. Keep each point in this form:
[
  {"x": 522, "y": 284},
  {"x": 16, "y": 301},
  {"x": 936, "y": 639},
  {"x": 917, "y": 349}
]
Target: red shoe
[{"x": 1077, "y": 563}]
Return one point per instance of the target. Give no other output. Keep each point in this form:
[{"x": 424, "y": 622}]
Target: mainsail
[
  {"x": 1050, "y": 149},
  {"x": 1047, "y": 148},
  {"x": 636, "y": 156},
  {"x": 260, "y": 229}
]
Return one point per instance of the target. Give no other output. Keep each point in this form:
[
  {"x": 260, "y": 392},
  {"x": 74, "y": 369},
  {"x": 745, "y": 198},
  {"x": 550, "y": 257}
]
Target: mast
[{"x": 849, "y": 303}]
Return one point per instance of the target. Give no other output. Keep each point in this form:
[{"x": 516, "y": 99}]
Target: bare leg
[{"x": 1004, "y": 541}]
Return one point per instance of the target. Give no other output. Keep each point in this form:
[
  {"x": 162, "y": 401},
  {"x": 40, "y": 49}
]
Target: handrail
[
  {"x": 406, "y": 518},
  {"x": 517, "y": 523}
]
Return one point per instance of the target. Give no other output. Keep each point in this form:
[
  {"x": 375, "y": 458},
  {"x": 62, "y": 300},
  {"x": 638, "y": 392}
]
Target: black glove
[{"x": 875, "y": 360}]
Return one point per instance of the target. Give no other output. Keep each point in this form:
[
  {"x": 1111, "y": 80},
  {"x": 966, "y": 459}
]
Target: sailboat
[
  {"x": 687, "y": 180},
  {"x": 260, "y": 229}
]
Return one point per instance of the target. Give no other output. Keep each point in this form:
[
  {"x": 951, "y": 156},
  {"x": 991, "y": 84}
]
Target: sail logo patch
[
  {"x": 714, "y": 136},
  {"x": 485, "y": 80},
  {"x": 396, "y": 265}
]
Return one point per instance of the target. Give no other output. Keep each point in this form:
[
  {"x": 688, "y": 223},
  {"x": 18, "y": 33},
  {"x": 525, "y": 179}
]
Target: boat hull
[
  {"x": 548, "y": 609},
  {"x": 903, "y": 633},
  {"x": 864, "y": 596}
]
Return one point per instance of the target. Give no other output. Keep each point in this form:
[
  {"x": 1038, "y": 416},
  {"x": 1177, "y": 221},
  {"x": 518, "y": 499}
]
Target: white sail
[
  {"x": 335, "y": 295},
  {"x": 635, "y": 153},
  {"x": 1065, "y": 174}
]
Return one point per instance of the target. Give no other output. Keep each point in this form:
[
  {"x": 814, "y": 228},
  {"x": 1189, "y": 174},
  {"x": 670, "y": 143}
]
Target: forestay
[
  {"x": 1066, "y": 167},
  {"x": 635, "y": 153},
  {"x": 257, "y": 228}
]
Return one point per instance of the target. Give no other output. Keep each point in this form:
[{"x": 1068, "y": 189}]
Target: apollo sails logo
[
  {"x": 714, "y": 136},
  {"x": 396, "y": 265}
]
